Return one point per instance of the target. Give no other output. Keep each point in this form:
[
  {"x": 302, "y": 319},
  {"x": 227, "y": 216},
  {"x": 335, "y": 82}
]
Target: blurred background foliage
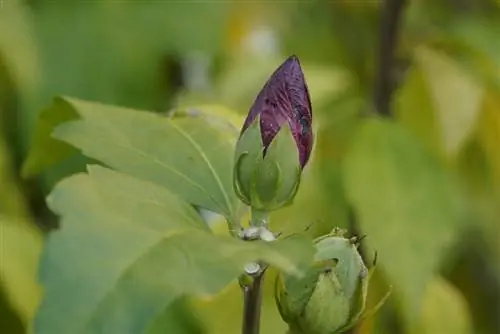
[{"x": 424, "y": 184}]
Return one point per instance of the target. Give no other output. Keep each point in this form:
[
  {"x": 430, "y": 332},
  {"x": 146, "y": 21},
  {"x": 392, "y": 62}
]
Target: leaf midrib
[
  {"x": 127, "y": 145},
  {"x": 210, "y": 166}
]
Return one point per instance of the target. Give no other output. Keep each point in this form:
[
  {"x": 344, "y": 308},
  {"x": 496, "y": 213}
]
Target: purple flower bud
[{"x": 285, "y": 98}]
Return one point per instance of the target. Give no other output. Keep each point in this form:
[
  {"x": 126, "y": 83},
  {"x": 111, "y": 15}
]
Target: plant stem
[
  {"x": 259, "y": 218},
  {"x": 252, "y": 305},
  {"x": 391, "y": 17},
  {"x": 252, "y": 292}
]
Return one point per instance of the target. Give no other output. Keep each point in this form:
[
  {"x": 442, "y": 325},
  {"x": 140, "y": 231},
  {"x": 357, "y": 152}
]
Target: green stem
[
  {"x": 252, "y": 293},
  {"x": 259, "y": 218}
]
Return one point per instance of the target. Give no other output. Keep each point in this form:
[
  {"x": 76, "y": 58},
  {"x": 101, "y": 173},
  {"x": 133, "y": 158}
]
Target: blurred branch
[{"x": 390, "y": 21}]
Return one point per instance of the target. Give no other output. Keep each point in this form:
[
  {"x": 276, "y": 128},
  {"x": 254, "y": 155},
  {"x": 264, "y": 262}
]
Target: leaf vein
[
  {"x": 127, "y": 145},
  {"x": 210, "y": 166}
]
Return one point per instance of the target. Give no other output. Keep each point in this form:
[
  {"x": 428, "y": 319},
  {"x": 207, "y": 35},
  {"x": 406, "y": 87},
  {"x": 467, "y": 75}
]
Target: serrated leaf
[
  {"x": 406, "y": 204},
  {"x": 185, "y": 155},
  {"x": 46, "y": 151},
  {"x": 124, "y": 197},
  {"x": 128, "y": 248}
]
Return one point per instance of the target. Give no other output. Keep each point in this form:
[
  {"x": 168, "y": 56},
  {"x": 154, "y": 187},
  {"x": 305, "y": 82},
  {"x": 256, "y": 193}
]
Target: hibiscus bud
[
  {"x": 276, "y": 140},
  {"x": 330, "y": 298}
]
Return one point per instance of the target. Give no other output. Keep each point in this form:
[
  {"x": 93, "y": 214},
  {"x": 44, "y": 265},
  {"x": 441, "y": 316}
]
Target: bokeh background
[{"x": 444, "y": 100}]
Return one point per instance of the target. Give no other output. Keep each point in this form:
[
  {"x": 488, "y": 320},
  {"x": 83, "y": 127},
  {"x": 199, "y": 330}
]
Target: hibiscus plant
[{"x": 132, "y": 242}]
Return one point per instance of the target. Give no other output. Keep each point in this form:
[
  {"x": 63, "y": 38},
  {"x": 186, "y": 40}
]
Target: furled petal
[{"x": 285, "y": 97}]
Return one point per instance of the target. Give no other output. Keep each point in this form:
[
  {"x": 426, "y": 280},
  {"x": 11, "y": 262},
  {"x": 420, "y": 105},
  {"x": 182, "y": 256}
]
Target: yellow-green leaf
[
  {"x": 21, "y": 244},
  {"x": 444, "y": 310},
  {"x": 455, "y": 95},
  {"x": 127, "y": 248},
  {"x": 45, "y": 150},
  {"x": 406, "y": 204},
  {"x": 186, "y": 155}
]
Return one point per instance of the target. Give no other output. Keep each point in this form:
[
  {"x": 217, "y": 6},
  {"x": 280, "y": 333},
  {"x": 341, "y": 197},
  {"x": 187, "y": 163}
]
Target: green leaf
[
  {"x": 440, "y": 98},
  {"x": 126, "y": 196},
  {"x": 179, "y": 318},
  {"x": 489, "y": 139},
  {"x": 444, "y": 310},
  {"x": 31, "y": 38},
  {"x": 415, "y": 110},
  {"x": 186, "y": 155},
  {"x": 470, "y": 38},
  {"x": 21, "y": 244},
  {"x": 405, "y": 203},
  {"x": 20, "y": 70},
  {"x": 17, "y": 45},
  {"x": 158, "y": 30},
  {"x": 20, "y": 247},
  {"x": 12, "y": 202},
  {"x": 455, "y": 94},
  {"x": 224, "y": 118},
  {"x": 128, "y": 248},
  {"x": 45, "y": 150}
]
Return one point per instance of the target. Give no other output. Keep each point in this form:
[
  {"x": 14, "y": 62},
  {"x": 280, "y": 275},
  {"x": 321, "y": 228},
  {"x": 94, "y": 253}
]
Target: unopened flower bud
[
  {"x": 276, "y": 140},
  {"x": 331, "y": 297}
]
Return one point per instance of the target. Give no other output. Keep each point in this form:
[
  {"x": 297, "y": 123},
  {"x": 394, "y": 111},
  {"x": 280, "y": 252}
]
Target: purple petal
[{"x": 285, "y": 97}]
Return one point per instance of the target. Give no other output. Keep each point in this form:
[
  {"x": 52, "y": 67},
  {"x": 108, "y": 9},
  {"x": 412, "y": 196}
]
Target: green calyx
[
  {"x": 331, "y": 297},
  {"x": 266, "y": 182}
]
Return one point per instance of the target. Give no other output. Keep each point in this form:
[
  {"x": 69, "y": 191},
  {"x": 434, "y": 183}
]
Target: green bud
[
  {"x": 268, "y": 179},
  {"x": 330, "y": 298}
]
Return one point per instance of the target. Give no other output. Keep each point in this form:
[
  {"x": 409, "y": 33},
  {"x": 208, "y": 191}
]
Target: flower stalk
[{"x": 259, "y": 218}]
